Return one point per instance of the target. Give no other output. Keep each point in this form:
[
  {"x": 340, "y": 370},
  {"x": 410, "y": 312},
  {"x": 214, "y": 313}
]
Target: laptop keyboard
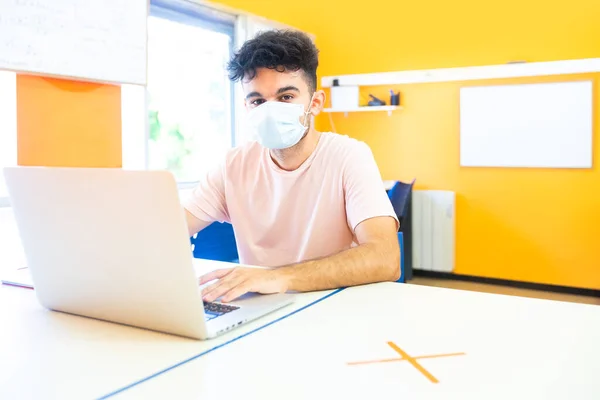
[{"x": 214, "y": 310}]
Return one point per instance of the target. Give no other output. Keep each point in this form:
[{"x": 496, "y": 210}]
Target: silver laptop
[{"x": 113, "y": 245}]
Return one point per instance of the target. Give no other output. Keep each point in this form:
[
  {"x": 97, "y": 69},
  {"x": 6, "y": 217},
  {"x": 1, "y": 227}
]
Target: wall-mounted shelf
[
  {"x": 499, "y": 71},
  {"x": 389, "y": 109}
]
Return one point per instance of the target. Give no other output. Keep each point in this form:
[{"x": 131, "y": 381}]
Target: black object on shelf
[
  {"x": 394, "y": 98},
  {"x": 375, "y": 102}
]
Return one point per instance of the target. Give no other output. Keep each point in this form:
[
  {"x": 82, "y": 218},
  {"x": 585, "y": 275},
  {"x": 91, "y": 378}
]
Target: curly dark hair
[{"x": 281, "y": 50}]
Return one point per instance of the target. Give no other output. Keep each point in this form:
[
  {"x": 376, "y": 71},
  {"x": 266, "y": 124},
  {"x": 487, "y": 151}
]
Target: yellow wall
[
  {"x": 389, "y": 35},
  {"x": 523, "y": 224}
]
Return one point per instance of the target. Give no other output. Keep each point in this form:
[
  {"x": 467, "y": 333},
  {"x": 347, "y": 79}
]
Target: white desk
[
  {"x": 515, "y": 348},
  {"x": 46, "y": 354}
]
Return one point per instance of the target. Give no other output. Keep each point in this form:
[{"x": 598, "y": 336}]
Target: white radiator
[{"x": 433, "y": 228}]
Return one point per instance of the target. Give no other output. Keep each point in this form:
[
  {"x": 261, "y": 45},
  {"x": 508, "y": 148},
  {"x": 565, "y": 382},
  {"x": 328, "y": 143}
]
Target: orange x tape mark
[{"x": 413, "y": 360}]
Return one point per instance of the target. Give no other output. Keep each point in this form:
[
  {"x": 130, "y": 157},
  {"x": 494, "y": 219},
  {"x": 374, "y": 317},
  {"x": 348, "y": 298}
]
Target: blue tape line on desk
[{"x": 121, "y": 390}]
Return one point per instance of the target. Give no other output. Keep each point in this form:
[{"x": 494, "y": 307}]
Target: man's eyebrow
[
  {"x": 253, "y": 94},
  {"x": 287, "y": 89},
  {"x": 279, "y": 91}
]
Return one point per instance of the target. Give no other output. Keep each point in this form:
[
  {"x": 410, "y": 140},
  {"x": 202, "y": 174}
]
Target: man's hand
[{"x": 235, "y": 282}]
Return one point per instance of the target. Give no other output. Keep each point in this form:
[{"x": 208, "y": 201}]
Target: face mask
[{"x": 276, "y": 125}]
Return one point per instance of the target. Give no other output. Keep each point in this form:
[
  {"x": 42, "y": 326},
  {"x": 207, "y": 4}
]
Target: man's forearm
[
  {"x": 194, "y": 224},
  {"x": 366, "y": 263}
]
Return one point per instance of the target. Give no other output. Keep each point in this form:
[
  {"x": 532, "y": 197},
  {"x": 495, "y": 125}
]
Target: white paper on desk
[
  {"x": 19, "y": 277},
  {"x": 22, "y": 277}
]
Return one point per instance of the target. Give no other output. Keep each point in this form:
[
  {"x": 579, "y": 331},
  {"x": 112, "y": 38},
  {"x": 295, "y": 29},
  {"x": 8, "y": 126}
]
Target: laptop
[{"x": 113, "y": 245}]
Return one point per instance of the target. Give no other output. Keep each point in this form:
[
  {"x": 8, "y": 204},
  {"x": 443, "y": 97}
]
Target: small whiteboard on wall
[
  {"x": 95, "y": 40},
  {"x": 546, "y": 125}
]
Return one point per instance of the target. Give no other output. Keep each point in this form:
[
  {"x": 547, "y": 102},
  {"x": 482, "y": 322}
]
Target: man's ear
[{"x": 318, "y": 102}]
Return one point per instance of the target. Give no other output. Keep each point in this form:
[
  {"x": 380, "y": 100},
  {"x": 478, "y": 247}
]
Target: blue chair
[
  {"x": 216, "y": 242},
  {"x": 400, "y": 196},
  {"x": 402, "y": 272}
]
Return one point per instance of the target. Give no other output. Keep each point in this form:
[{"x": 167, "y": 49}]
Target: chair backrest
[
  {"x": 216, "y": 242},
  {"x": 402, "y": 259},
  {"x": 399, "y": 195}
]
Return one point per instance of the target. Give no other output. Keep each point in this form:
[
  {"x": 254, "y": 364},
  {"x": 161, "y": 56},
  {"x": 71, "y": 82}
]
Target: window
[
  {"x": 8, "y": 127},
  {"x": 189, "y": 98},
  {"x": 189, "y": 114}
]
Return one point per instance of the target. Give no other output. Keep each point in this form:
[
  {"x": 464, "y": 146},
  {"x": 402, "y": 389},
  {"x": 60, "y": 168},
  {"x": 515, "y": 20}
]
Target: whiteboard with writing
[
  {"x": 541, "y": 125},
  {"x": 95, "y": 40}
]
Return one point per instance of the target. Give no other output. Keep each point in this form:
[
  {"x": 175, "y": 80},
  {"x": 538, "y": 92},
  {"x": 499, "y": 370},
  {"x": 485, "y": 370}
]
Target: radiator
[{"x": 433, "y": 230}]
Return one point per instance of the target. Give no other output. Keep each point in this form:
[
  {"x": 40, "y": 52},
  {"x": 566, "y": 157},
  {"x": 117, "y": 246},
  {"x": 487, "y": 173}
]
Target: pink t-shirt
[{"x": 282, "y": 217}]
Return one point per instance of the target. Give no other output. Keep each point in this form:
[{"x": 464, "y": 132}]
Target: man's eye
[
  {"x": 257, "y": 102},
  {"x": 287, "y": 97}
]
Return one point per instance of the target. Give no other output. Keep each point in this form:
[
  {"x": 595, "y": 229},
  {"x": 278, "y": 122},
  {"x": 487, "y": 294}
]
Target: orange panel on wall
[{"x": 67, "y": 123}]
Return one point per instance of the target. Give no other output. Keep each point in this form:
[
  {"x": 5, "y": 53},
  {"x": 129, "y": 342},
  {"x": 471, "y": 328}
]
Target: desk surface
[
  {"x": 46, "y": 354},
  {"x": 513, "y": 347}
]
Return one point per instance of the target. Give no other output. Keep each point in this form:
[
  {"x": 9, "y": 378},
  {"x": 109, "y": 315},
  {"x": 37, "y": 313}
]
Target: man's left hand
[{"x": 235, "y": 282}]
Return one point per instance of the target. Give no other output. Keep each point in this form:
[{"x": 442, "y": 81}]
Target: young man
[{"x": 310, "y": 203}]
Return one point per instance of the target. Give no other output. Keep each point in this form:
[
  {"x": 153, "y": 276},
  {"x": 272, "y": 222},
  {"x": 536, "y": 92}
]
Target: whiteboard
[
  {"x": 544, "y": 125},
  {"x": 96, "y": 40}
]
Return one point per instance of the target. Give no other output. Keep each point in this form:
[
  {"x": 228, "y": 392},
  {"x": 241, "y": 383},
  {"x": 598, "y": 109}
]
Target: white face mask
[{"x": 276, "y": 125}]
